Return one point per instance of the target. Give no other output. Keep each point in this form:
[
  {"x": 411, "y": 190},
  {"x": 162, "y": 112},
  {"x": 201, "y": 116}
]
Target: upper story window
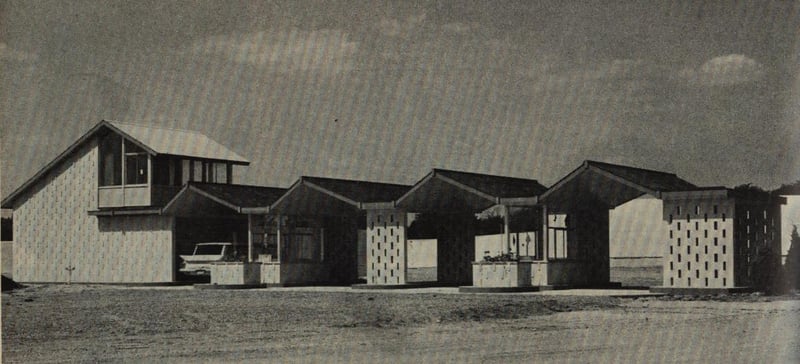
[
  {"x": 111, "y": 160},
  {"x": 135, "y": 164},
  {"x": 122, "y": 161}
]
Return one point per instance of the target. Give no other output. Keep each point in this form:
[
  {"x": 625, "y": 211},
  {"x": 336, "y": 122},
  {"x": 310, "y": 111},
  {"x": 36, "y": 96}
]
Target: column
[
  {"x": 250, "y": 238},
  {"x": 386, "y": 247}
]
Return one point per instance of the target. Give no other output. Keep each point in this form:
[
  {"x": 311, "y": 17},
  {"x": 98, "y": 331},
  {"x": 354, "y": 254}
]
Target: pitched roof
[
  {"x": 654, "y": 180},
  {"x": 242, "y": 195},
  {"x": 360, "y": 191},
  {"x": 610, "y": 184},
  {"x": 496, "y": 186},
  {"x": 447, "y": 191},
  {"x": 155, "y": 140},
  {"x": 240, "y": 198},
  {"x": 334, "y": 196},
  {"x": 160, "y": 140}
]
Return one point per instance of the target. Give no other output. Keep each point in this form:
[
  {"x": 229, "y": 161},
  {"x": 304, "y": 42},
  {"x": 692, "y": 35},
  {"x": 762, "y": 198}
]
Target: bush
[{"x": 791, "y": 269}]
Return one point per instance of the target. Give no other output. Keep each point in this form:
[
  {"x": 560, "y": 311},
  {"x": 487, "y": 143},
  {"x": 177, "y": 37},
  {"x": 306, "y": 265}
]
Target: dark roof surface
[
  {"x": 654, "y": 180},
  {"x": 360, "y": 191},
  {"x": 496, "y": 186},
  {"x": 241, "y": 195}
]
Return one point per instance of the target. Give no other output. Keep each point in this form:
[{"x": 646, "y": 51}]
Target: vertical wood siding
[{"x": 53, "y": 231}]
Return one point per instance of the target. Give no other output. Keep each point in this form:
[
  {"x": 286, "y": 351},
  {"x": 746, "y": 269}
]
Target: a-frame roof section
[
  {"x": 194, "y": 197},
  {"x": 610, "y": 184},
  {"x": 155, "y": 140},
  {"x": 448, "y": 191},
  {"x": 330, "y": 196},
  {"x": 160, "y": 140}
]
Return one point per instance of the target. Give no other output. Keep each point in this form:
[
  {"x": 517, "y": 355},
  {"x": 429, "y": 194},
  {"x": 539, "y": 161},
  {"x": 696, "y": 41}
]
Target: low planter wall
[
  {"x": 293, "y": 273},
  {"x": 501, "y": 274},
  {"x": 235, "y": 273}
]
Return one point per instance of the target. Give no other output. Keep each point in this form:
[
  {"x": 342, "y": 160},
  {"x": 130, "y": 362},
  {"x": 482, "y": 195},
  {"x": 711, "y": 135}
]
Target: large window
[
  {"x": 122, "y": 161},
  {"x": 111, "y": 160}
]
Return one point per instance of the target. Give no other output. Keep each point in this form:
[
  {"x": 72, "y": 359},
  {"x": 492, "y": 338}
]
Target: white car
[{"x": 199, "y": 263}]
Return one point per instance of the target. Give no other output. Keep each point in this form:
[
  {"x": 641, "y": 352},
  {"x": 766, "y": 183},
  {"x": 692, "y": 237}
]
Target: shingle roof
[
  {"x": 654, "y": 180},
  {"x": 496, "y": 186},
  {"x": 160, "y": 140},
  {"x": 242, "y": 196},
  {"x": 360, "y": 191}
]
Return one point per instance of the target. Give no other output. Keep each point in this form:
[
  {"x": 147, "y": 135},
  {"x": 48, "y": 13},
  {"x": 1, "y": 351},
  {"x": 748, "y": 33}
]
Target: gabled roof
[
  {"x": 318, "y": 195},
  {"x": 451, "y": 191},
  {"x": 155, "y": 140},
  {"x": 651, "y": 179},
  {"x": 160, "y": 140},
  {"x": 493, "y": 185},
  {"x": 610, "y": 184},
  {"x": 240, "y": 198}
]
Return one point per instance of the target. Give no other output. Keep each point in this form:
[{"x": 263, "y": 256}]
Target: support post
[
  {"x": 545, "y": 234},
  {"x": 250, "y": 238},
  {"x": 278, "y": 237},
  {"x": 506, "y": 233}
]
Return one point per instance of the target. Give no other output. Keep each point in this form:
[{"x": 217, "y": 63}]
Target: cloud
[
  {"x": 458, "y": 28},
  {"x": 284, "y": 51},
  {"x": 401, "y": 28},
  {"x": 725, "y": 70},
  {"x": 7, "y": 53}
]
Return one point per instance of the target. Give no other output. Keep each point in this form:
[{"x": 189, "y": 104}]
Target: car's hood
[{"x": 201, "y": 258}]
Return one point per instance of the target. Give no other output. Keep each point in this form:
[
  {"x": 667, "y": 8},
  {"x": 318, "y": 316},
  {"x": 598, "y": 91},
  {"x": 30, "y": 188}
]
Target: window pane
[
  {"x": 111, "y": 161},
  {"x": 197, "y": 174},
  {"x": 136, "y": 169},
  {"x": 186, "y": 171},
  {"x": 220, "y": 173},
  {"x": 130, "y": 147}
]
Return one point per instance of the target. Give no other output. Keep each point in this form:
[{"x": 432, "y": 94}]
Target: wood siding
[{"x": 53, "y": 231}]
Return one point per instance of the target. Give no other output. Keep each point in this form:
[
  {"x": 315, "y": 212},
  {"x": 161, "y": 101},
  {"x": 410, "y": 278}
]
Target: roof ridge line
[
  {"x": 485, "y": 174},
  {"x": 155, "y": 126},
  {"x": 352, "y": 180},
  {"x": 589, "y": 161}
]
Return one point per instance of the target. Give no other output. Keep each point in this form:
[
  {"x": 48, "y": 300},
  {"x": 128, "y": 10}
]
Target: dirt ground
[{"x": 110, "y": 324}]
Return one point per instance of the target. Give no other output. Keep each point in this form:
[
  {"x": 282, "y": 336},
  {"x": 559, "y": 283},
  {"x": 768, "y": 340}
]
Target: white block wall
[
  {"x": 386, "y": 247},
  {"x": 700, "y": 243}
]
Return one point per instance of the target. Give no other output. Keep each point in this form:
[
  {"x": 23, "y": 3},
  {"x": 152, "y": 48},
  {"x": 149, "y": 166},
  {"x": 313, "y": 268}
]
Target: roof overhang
[
  {"x": 307, "y": 198},
  {"x": 438, "y": 193},
  {"x": 589, "y": 184},
  {"x": 192, "y": 201},
  {"x": 126, "y": 211}
]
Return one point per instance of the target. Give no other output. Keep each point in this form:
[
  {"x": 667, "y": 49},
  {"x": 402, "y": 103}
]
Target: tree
[{"x": 792, "y": 267}]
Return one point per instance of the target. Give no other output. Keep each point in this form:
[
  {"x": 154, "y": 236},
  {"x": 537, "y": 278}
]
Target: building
[
  {"x": 720, "y": 239},
  {"x": 96, "y": 213}
]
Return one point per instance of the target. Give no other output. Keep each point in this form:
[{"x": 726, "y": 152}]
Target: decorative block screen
[
  {"x": 699, "y": 248},
  {"x": 386, "y": 247}
]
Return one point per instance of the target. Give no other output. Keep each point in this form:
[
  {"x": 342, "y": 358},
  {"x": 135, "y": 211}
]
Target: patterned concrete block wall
[
  {"x": 386, "y": 247},
  {"x": 757, "y": 233},
  {"x": 700, "y": 243},
  {"x": 53, "y": 231}
]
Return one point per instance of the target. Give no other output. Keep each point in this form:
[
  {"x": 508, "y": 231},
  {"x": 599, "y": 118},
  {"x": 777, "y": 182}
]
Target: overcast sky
[{"x": 387, "y": 90}]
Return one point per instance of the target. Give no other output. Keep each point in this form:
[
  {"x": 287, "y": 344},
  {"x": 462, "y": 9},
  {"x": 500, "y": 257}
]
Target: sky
[{"x": 387, "y": 90}]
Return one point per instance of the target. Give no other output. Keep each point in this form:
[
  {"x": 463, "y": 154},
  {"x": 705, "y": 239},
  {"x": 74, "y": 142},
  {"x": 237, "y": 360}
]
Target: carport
[
  {"x": 577, "y": 223},
  {"x": 453, "y": 198},
  {"x": 321, "y": 225},
  {"x": 210, "y": 212}
]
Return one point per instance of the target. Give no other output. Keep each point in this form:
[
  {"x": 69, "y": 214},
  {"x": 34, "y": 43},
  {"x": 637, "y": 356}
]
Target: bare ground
[{"x": 112, "y": 324}]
